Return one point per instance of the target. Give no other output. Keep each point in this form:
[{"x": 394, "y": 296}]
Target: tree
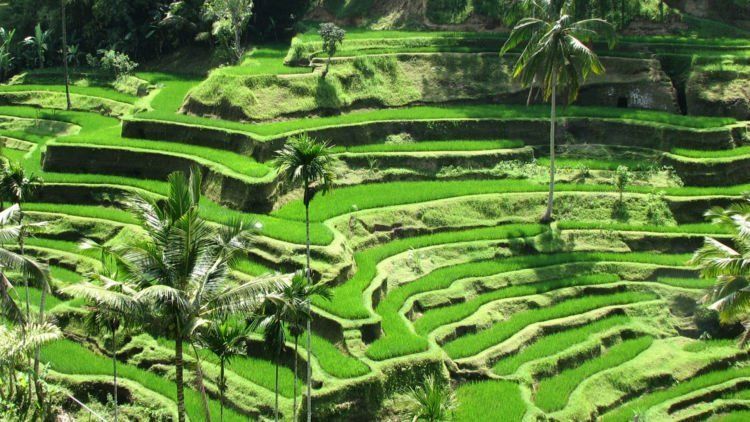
[
  {"x": 17, "y": 187},
  {"x": 309, "y": 163},
  {"x": 112, "y": 305},
  {"x": 231, "y": 15},
  {"x": 39, "y": 44},
  {"x": 65, "y": 54},
  {"x": 729, "y": 264},
  {"x": 333, "y": 36},
  {"x": 226, "y": 339},
  {"x": 182, "y": 264},
  {"x": 11, "y": 230},
  {"x": 622, "y": 179},
  {"x": 554, "y": 54},
  {"x": 17, "y": 343},
  {"x": 291, "y": 312},
  {"x": 6, "y": 55},
  {"x": 433, "y": 401},
  {"x": 274, "y": 325}
]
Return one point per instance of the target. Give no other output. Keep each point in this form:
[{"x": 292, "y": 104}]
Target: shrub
[{"x": 115, "y": 63}]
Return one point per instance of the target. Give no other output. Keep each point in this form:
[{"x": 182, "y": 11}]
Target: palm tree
[
  {"x": 226, "y": 339},
  {"x": 555, "y": 55},
  {"x": 729, "y": 264},
  {"x": 113, "y": 305},
  {"x": 274, "y": 325},
  {"x": 182, "y": 267},
  {"x": 307, "y": 162},
  {"x": 298, "y": 294},
  {"x": 18, "y": 187},
  {"x": 11, "y": 230},
  {"x": 65, "y": 53},
  {"x": 17, "y": 343},
  {"x": 289, "y": 311},
  {"x": 109, "y": 256},
  {"x": 434, "y": 401}
]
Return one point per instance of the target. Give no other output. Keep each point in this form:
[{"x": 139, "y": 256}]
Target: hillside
[{"x": 428, "y": 238}]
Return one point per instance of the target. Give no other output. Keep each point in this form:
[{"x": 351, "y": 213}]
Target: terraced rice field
[{"x": 430, "y": 242}]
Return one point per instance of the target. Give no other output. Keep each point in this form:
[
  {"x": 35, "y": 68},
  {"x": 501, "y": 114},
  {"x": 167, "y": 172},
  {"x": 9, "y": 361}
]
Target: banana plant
[{"x": 38, "y": 44}]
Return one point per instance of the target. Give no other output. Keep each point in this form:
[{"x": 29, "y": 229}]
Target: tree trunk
[
  {"x": 237, "y": 43},
  {"x": 28, "y": 298},
  {"x": 221, "y": 389},
  {"x": 294, "y": 409},
  {"x": 201, "y": 386},
  {"x": 65, "y": 55},
  {"x": 37, "y": 381},
  {"x": 276, "y": 389},
  {"x": 328, "y": 66},
  {"x": 553, "y": 117},
  {"x": 114, "y": 370},
  {"x": 309, "y": 282},
  {"x": 745, "y": 337},
  {"x": 178, "y": 365}
]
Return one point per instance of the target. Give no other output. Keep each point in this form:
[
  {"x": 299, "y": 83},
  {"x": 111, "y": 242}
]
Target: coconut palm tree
[
  {"x": 181, "y": 267},
  {"x": 433, "y": 401},
  {"x": 226, "y": 339},
  {"x": 729, "y": 264},
  {"x": 554, "y": 55},
  {"x": 112, "y": 305},
  {"x": 305, "y": 161}
]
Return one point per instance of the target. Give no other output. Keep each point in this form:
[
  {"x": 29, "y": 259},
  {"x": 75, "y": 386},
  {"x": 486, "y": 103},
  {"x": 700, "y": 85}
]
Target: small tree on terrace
[
  {"x": 333, "y": 36},
  {"x": 554, "y": 55},
  {"x": 622, "y": 180},
  {"x": 231, "y": 15}
]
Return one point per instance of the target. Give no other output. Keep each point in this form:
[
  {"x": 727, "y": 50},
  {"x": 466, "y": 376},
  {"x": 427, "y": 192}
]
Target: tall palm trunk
[
  {"x": 28, "y": 298},
  {"x": 309, "y": 282},
  {"x": 37, "y": 382},
  {"x": 294, "y": 409},
  {"x": 65, "y": 55},
  {"x": 553, "y": 117},
  {"x": 114, "y": 370},
  {"x": 178, "y": 366},
  {"x": 221, "y": 388},
  {"x": 201, "y": 385},
  {"x": 276, "y": 413}
]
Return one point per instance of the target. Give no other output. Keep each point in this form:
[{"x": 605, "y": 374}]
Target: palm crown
[
  {"x": 554, "y": 51},
  {"x": 729, "y": 265},
  {"x": 303, "y": 160}
]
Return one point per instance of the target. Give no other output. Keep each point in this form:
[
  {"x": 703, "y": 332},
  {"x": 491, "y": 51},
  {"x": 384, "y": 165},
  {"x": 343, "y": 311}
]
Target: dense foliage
[{"x": 143, "y": 28}]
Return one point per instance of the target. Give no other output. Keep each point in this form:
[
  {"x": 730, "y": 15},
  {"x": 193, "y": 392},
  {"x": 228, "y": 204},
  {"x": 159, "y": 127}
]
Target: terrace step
[{"x": 234, "y": 191}]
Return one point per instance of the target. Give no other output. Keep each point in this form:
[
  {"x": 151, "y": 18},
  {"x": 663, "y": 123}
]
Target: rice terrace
[{"x": 389, "y": 210}]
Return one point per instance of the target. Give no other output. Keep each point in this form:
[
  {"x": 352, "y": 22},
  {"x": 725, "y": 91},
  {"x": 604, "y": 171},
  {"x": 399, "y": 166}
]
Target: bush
[{"x": 114, "y": 63}]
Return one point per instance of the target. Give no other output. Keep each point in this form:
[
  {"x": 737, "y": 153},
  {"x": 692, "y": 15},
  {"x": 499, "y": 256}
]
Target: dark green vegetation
[{"x": 429, "y": 239}]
